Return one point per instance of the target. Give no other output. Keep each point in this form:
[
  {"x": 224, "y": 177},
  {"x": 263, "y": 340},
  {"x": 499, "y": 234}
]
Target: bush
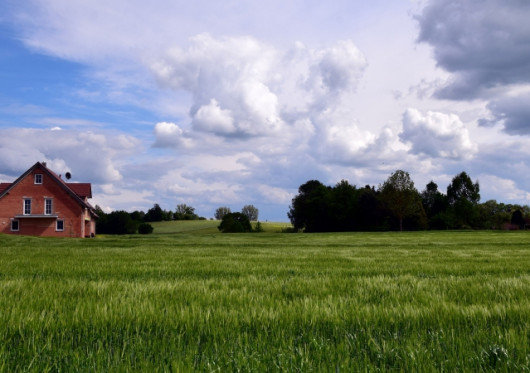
[
  {"x": 235, "y": 222},
  {"x": 258, "y": 228},
  {"x": 145, "y": 228}
]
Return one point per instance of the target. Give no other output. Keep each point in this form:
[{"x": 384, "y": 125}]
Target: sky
[{"x": 229, "y": 103}]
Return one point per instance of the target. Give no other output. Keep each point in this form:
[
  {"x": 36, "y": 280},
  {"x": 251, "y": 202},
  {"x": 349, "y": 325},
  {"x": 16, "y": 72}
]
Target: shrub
[{"x": 145, "y": 228}]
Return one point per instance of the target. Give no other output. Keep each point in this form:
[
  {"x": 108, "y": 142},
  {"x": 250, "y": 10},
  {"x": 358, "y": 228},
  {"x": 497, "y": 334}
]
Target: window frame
[
  {"x": 57, "y": 229},
  {"x": 46, "y": 202},
  {"x": 17, "y": 222},
  {"x": 26, "y": 206},
  {"x": 38, "y": 179}
]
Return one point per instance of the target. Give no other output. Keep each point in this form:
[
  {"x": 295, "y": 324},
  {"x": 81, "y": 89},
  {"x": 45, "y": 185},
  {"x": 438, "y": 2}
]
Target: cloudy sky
[{"x": 228, "y": 103}]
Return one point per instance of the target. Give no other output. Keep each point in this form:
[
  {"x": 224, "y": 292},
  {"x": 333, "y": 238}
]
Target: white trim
[
  {"x": 24, "y": 212},
  {"x": 46, "y": 212},
  {"x": 38, "y": 179}
]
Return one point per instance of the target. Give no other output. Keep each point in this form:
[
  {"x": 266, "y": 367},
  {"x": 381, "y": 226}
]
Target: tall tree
[
  {"x": 400, "y": 196},
  {"x": 221, "y": 212},
  {"x": 155, "y": 213},
  {"x": 250, "y": 212},
  {"x": 435, "y": 204},
  {"x": 309, "y": 209},
  {"x": 463, "y": 196}
]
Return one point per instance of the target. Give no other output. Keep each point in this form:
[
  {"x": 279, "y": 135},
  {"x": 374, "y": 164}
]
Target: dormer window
[{"x": 38, "y": 178}]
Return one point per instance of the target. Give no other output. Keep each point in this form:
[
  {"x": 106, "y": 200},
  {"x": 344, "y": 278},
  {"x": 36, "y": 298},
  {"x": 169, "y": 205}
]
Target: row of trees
[
  {"x": 123, "y": 222},
  {"x": 396, "y": 205}
]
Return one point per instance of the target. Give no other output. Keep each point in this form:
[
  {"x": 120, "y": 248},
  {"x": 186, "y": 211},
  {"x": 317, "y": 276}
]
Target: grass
[{"x": 197, "y": 300}]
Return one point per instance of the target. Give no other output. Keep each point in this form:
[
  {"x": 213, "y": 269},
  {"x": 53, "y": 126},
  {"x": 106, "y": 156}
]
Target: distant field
[
  {"x": 191, "y": 299},
  {"x": 206, "y": 226}
]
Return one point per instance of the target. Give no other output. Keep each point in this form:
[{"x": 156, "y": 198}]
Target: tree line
[
  {"x": 123, "y": 222},
  {"x": 397, "y": 205}
]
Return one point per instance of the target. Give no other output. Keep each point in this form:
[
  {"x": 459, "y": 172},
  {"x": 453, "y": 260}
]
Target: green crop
[{"x": 414, "y": 301}]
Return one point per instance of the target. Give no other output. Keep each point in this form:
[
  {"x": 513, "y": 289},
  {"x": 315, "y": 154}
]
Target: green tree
[
  {"x": 235, "y": 222},
  {"x": 435, "y": 205},
  {"x": 518, "y": 219},
  {"x": 155, "y": 213},
  {"x": 463, "y": 196},
  {"x": 251, "y": 212},
  {"x": 401, "y": 197},
  {"x": 221, "y": 212},
  {"x": 309, "y": 209},
  {"x": 185, "y": 212},
  {"x": 119, "y": 222},
  {"x": 343, "y": 203}
]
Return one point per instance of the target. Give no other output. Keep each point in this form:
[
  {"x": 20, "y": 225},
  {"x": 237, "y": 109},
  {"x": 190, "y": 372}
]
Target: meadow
[{"x": 188, "y": 298}]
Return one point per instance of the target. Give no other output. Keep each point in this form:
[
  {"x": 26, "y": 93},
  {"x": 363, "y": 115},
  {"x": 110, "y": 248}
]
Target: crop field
[{"x": 198, "y": 300}]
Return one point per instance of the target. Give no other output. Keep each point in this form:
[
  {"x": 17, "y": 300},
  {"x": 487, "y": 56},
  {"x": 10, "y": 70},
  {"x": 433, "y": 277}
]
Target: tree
[
  {"x": 250, "y": 212},
  {"x": 463, "y": 196},
  {"x": 185, "y": 212},
  {"x": 400, "y": 196},
  {"x": 309, "y": 209},
  {"x": 221, "y": 212},
  {"x": 235, "y": 222},
  {"x": 434, "y": 204},
  {"x": 518, "y": 219},
  {"x": 155, "y": 213},
  {"x": 118, "y": 222},
  {"x": 343, "y": 203}
]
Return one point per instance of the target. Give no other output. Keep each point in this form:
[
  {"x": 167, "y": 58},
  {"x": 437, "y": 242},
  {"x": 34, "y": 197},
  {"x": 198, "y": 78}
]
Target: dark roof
[{"x": 77, "y": 190}]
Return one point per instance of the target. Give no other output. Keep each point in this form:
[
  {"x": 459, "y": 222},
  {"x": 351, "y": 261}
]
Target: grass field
[{"x": 197, "y": 300}]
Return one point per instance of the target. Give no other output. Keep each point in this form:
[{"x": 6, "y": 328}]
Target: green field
[{"x": 192, "y": 299}]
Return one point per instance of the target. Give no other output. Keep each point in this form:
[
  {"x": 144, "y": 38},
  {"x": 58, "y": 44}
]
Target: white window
[
  {"x": 59, "y": 225},
  {"x": 48, "y": 206},
  {"x": 38, "y": 178},
  {"x": 14, "y": 225},
  {"x": 27, "y": 206}
]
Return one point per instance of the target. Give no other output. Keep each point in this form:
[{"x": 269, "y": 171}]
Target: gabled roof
[{"x": 78, "y": 191}]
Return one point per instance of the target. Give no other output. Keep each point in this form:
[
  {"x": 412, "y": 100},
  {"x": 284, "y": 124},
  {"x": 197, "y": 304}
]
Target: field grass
[
  {"x": 207, "y": 226},
  {"x": 183, "y": 301}
]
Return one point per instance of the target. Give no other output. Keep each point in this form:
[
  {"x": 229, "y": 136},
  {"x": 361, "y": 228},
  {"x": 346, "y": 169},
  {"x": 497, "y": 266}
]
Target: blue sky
[{"x": 232, "y": 103}]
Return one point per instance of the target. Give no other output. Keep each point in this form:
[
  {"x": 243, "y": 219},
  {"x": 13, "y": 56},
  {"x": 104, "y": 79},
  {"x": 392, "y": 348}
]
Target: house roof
[
  {"x": 81, "y": 189},
  {"x": 78, "y": 191},
  {"x": 4, "y": 186}
]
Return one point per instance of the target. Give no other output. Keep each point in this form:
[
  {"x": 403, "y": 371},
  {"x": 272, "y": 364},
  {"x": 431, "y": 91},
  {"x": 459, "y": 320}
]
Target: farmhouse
[{"x": 41, "y": 203}]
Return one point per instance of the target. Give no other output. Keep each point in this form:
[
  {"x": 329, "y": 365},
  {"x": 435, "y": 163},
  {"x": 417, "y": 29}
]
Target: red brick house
[{"x": 41, "y": 203}]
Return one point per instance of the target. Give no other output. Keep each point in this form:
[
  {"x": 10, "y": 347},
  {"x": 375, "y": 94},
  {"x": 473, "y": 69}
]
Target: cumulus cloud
[
  {"x": 493, "y": 185},
  {"x": 66, "y": 151},
  {"x": 170, "y": 134},
  {"x": 243, "y": 87},
  {"x": 437, "y": 135}
]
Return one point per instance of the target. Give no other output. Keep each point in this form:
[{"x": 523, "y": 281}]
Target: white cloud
[
  {"x": 169, "y": 134},
  {"x": 212, "y": 118},
  {"x": 492, "y": 185},
  {"x": 87, "y": 155},
  {"x": 437, "y": 135}
]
